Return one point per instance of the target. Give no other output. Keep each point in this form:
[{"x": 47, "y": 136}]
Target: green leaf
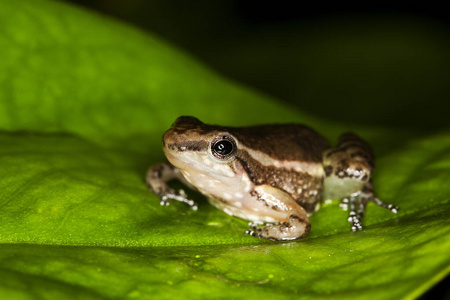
[{"x": 83, "y": 103}]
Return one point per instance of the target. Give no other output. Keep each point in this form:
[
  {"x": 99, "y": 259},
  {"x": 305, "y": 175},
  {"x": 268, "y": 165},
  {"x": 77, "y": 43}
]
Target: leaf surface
[{"x": 84, "y": 101}]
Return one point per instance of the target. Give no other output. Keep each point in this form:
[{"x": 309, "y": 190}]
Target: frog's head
[{"x": 193, "y": 146}]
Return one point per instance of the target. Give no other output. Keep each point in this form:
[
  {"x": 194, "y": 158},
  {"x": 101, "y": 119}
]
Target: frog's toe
[
  {"x": 391, "y": 207},
  {"x": 164, "y": 201},
  {"x": 252, "y": 233},
  {"x": 262, "y": 232},
  {"x": 344, "y": 204},
  {"x": 357, "y": 205},
  {"x": 179, "y": 195},
  {"x": 356, "y": 224},
  {"x": 355, "y": 217},
  {"x": 255, "y": 229}
]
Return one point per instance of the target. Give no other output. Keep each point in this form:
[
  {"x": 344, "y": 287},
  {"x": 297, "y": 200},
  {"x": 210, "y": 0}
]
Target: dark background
[{"x": 383, "y": 64}]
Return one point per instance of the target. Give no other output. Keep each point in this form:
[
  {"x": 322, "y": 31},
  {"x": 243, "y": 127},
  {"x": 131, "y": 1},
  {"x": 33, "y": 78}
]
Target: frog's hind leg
[{"x": 348, "y": 169}]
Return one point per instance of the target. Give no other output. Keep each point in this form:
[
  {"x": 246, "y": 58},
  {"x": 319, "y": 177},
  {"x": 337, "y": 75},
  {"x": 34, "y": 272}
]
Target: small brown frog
[{"x": 271, "y": 175}]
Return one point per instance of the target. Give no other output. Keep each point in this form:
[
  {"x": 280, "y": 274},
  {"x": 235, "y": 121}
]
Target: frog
[{"x": 275, "y": 176}]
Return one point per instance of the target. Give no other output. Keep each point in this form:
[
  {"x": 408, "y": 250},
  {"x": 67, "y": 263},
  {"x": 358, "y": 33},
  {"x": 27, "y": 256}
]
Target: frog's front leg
[
  {"x": 157, "y": 180},
  {"x": 286, "y": 220},
  {"x": 348, "y": 169}
]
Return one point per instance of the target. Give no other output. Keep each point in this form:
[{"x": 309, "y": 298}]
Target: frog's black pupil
[{"x": 223, "y": 147}]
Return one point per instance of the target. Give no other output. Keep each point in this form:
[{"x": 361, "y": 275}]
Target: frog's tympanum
[{"x": 272, "y": 175}]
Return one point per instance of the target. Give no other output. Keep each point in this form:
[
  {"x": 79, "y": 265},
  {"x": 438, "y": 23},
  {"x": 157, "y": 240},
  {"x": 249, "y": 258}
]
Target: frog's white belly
[{"x": 229, "y": 194}]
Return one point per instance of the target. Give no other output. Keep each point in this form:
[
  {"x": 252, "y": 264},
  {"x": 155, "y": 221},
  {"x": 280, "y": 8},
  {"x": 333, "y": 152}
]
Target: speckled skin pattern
[{"x": 274, "y": 174}]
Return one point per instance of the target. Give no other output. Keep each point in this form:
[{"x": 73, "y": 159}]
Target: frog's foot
[
  {"x": 348, "y": 169},
  {"x": 157, "y": 180},
  {"x": 357, "y": 203},
  {"x": 293, "y": 229},
  {"x": 178, "y": 195}
]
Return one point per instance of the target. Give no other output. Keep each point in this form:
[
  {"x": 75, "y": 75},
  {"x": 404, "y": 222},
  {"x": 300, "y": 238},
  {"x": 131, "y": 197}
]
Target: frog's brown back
[{"x": 289, "y": 142}]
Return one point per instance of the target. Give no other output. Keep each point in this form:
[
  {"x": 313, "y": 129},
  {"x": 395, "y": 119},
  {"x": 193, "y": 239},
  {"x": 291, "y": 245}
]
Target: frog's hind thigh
[{"x": 348, "y": 169}]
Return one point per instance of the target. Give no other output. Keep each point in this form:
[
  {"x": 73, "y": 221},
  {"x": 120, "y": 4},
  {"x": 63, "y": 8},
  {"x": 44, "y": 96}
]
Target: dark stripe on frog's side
[{"x": 284, "y": 179}]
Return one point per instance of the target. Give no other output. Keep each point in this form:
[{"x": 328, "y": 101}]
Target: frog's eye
[{"x": 223, "y": 147}]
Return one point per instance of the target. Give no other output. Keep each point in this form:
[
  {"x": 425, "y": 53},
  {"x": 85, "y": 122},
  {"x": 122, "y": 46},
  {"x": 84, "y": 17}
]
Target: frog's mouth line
[
  {"x": 185, "y": 160},
  {"x": 198, "y": 162},
  {"x": 193, "y": 146}
]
